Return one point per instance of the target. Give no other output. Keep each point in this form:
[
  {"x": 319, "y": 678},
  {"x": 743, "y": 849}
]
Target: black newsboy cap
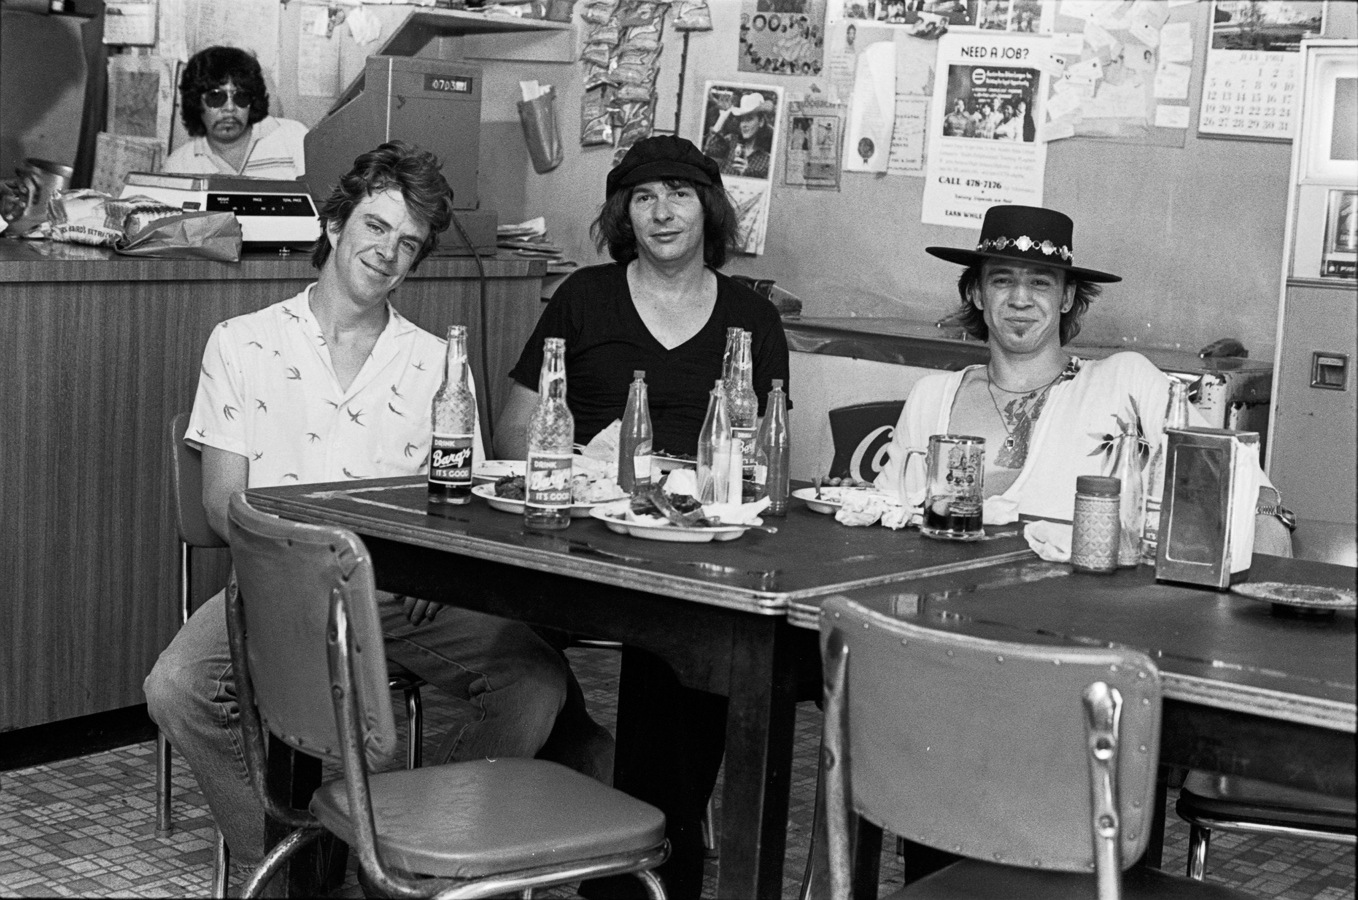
[{"x": 660, "y": 157}]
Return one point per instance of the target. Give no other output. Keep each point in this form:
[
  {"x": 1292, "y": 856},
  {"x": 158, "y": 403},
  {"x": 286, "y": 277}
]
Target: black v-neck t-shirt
[{"x": 606, "y": 340}]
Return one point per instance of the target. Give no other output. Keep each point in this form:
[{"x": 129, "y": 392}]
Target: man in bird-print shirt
[{"x": 332, "y": 384}]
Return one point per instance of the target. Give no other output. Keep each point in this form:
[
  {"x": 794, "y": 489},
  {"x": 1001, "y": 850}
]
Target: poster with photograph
[
  {"x": 984, "y": 144},
  {"x": 782, "y": 38},
  {"x": 928, "y": 18},
  {"x": 738, "y": 127},
  {"x": 1340, "y": 259},
  {"x": 1024, "y": 16},
  {"x": 1253, "y": 79},
  {"x": 815, "y": 133}
]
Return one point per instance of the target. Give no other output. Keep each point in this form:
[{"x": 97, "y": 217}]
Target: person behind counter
[
  {"x": 224, "y": 104},
  {"x": 661, "y": 306},
  {"x": 1042, "y": 411},
  {"x": 329, "y": 385}
]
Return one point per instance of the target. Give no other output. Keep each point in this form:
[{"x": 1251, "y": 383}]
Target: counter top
[
  {"x": 29, "y": 261},
  {"x": 911, "y": 342}
]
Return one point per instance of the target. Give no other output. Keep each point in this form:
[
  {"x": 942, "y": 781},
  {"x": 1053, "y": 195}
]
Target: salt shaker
[{"x": 1096, "y": 529}]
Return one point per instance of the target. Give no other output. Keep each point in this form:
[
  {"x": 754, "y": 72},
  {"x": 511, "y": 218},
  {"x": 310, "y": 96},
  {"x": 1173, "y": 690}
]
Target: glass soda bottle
[
  {"x": 634, "y": 444},
  {"x": 454, "y": 420},
  {"x": 551, "y": 440},
  {"x": 1127, "y": 468},
  {"x": 775, "y": 447},
  {"x": 714, "y": 450},
  {"x": 1176, "y": 416},
  {"x": 742, "y": 405}
]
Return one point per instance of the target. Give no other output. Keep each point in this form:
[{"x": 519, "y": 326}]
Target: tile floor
[{"x": 85, "y": 827}]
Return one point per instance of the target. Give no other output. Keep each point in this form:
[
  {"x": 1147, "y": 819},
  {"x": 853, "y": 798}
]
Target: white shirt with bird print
[{"x": 267, "y": 391}]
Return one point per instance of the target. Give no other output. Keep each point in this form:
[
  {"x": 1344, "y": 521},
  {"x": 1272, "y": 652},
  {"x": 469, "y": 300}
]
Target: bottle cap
[
  {"x": 777, "y": 382},
  {"x": 1099, "y": 485},
  {"x": 638, "y": 374}
]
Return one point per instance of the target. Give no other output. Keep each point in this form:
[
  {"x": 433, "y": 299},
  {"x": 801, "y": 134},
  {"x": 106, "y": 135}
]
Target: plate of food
[
  {"x": 827, "y": 498},
  {"x": 667, "y": 461},
  {"x": 619, "y": 518},
  {"x": 506, "y": 494},
  {"x": 1312, "y": 598},
  {"x": 492, "y": 470}
]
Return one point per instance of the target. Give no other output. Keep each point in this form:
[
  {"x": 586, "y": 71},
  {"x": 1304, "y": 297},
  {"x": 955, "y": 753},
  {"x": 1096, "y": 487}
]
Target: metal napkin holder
[{"x": 1207, "y": 517}]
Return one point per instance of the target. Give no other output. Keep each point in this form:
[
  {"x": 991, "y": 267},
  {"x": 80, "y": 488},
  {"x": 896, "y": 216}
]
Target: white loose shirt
[
  {"x": 1067, "y": 441},
  {"x": 276, "y": 151},
  {"x": 267, "y": 391}
]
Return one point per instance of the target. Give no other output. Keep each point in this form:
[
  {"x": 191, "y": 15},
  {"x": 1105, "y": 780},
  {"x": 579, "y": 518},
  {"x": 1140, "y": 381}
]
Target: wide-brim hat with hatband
[
  {"x": 660, "y": 157},
  {"x": 1026, "y": 234}
]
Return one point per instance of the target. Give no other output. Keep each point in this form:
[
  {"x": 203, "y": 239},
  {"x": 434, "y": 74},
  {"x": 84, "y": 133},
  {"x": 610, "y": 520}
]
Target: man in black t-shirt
[{"x": 661, "y": 306}]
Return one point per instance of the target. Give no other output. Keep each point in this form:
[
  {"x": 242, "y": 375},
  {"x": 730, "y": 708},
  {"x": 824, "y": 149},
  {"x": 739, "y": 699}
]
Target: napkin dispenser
[{"x": 1207, "y": 516}]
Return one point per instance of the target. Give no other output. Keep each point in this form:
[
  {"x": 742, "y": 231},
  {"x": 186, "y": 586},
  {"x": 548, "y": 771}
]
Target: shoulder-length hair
[
  {"x": 612, "y": 229},
  {"x": 408, "y": 169},
  {"x": 211, "y": 68},
  {"x": 973, "y": 319}
]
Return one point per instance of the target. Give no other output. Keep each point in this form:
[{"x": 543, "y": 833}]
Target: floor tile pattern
[{"x": 86, "y": 827}]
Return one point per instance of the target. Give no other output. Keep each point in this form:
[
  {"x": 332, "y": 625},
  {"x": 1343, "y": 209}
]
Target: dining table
[
  {"x": 1252, "y": 687},
  {"x": 717, "y": 613}
]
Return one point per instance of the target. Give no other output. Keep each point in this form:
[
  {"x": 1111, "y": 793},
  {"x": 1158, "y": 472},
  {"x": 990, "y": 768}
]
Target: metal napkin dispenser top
[{"x": 1207, "y": 517}]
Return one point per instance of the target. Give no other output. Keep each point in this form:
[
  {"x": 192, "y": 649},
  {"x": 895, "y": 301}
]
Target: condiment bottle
[
  {"x": 1127, "y": 469},
  {"x": 774, "y": 446},
  {"x": 634, "y": 444},
  {"x": 551, "y": 442},
  {"x": 454, "y": 421},
  {"x": 714, "y": 450},
  {"x": 1176, "y": 416},
  {"x": 1095, "y": 529}
]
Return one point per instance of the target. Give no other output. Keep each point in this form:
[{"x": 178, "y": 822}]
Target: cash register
[{"x": 273, "y": 215}]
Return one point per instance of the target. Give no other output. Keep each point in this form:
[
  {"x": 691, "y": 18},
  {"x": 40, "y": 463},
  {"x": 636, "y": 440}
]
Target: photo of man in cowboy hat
[
  {"x": 1043, "y": 411},
  {"x": 739, "y": 135}
]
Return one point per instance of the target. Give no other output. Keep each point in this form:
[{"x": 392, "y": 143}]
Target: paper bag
[
  {"x": 538, "y": 117},
  {"x": 192, "y": 235}
]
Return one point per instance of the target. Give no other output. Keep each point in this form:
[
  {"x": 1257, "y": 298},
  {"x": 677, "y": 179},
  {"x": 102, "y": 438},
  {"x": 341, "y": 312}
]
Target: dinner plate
[
  {"x": 826, "y": 499},
  {"x": 614, "y": 516},
  {"x": 1302, "y": 596},
  {"x": 493, "y": 470},
  {"x": 665, "y": 463},
  {"x": 506, "y": 504}
]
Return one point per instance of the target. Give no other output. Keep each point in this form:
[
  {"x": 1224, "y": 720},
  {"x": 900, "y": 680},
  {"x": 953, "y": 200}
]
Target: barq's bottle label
[
  {"x": 450, "y": 460},
  {"x": 548, "y": 481}
]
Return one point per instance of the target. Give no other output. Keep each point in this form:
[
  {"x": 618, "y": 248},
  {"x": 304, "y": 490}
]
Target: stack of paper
[{"x": 527, "y": 239}]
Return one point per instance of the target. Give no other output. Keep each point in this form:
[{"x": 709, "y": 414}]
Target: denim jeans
[{"x": 507, "y": 686}]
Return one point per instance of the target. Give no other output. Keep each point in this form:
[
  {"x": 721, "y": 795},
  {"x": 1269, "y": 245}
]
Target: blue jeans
[{"x": 507, "y": 686}]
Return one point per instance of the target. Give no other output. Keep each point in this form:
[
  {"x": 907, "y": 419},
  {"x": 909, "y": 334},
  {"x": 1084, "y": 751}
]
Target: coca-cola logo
[{"x": 455, "y": 459}]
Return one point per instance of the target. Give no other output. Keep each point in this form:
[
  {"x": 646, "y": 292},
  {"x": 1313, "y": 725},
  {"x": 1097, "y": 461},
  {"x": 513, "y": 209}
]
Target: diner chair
[
  {"x": 1034, "y": 763},
  {"x": 195, "y": 533},
  {"x": 306, "y": 644},
  {"x": 860, "y": 434},
  {"x": 1210, "y": 802}
]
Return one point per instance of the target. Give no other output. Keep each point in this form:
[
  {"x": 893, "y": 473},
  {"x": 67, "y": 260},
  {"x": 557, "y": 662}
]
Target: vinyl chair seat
[
  {"x": 481, "y": 817},
  {"x": 1233, "y": 799},
  {"x": 971, "y": 879}
]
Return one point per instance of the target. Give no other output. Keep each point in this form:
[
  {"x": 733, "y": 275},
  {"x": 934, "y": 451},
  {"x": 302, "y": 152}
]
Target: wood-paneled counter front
[{"x": 97, "y": 353}]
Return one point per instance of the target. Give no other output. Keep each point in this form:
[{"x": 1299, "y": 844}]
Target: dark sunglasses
[{"x": 216, "y": 98}]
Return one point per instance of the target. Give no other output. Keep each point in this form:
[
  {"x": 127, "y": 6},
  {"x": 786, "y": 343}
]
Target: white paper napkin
[{"x": 1049, "y": 540}]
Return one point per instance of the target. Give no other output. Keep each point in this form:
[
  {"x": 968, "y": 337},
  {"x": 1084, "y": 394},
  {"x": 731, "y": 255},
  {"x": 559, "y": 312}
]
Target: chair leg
[
  {"x": 221, "y": 865},
  {"x": 163, "y": 787},
  {"x": 708, "y": 828},
  {"x": 655, "y": 888},
  {"x": 415, "y": 731},
  {"x": 277, "y": 857},
  {"x": 1199, "y": 839}
]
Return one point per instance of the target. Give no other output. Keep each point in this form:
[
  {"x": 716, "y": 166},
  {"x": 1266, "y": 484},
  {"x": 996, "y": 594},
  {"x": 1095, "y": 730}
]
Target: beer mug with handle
[{"x": 954, "y": 478}]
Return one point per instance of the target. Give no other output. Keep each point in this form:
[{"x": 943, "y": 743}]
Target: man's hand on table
[{"x": 420, "y": 611}]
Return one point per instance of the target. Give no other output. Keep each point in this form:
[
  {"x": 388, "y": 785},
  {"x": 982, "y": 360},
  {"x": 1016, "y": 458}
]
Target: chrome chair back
[{"x": 1035, "y": 763}]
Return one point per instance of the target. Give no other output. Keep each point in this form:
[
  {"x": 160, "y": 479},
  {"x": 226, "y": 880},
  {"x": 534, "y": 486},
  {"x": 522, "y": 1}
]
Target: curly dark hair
[
  {"x": 612, "y": 229},
  {"x": 212, "y": 68},
  {"x": 973, "y": 319},
  {"x": 405, "y": 167}
]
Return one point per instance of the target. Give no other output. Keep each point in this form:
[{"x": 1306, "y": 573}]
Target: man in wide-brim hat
[{"x": 1047, "y": 416}]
